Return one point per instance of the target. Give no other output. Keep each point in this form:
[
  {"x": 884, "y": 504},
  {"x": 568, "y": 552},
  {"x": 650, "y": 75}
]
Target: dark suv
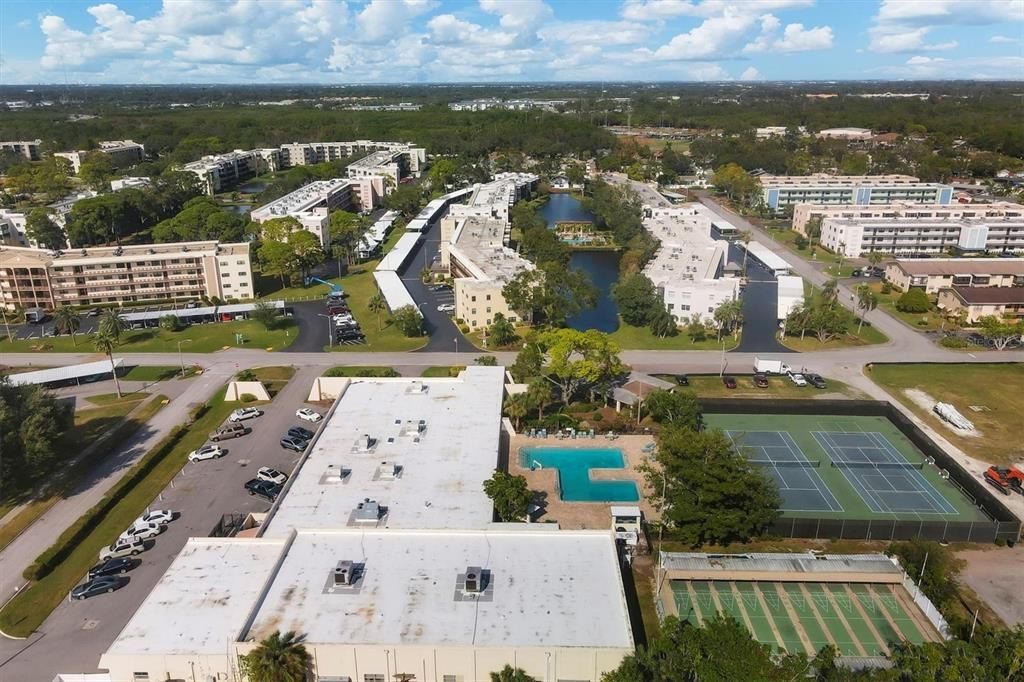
[
  {"x": 265, "y": 489},
  {"x": 761, "y": 380},
  {"x": 815, "y": 380}
]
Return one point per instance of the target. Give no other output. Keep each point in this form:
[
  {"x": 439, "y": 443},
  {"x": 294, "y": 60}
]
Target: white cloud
[
  {"x": 715, "y": 38},
  {"x": 750, "y": 74},
  {"x": 940, "y": 68},
  {"x": 594, "y": 33},
  {"x": 920, "y": 60},
  {"x": 650, "y": 10},
  {"x": 523, "y": 16},
  {"x": 895, "y": 39},
  {"x": 904, "y": 25},
  {"x": 1003, "y": 40},
  {"x": 795, "y": 38},
  {"x": 379, "y": 20}
]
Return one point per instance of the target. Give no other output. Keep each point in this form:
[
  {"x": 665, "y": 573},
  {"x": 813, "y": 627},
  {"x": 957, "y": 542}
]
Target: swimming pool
[{"x": 574, "y": 465}]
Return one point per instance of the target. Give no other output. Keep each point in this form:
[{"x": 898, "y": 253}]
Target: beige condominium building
[
  {"x": 933, "y": 274},
  {"x": 221, "y": 172},
  {"x": 159, "y": 272},
  {"x": 782, "y": 191},
  {"x": 381, "y": 552},
  {"x": 474, "y": 248},
  {"x": 306, "y": 153},
  {"x": 978, "y": 302},
  {"x": 122, "y": 153},
  {"x": 912, "y": 235},
  {"x": 899, "y": 210}
]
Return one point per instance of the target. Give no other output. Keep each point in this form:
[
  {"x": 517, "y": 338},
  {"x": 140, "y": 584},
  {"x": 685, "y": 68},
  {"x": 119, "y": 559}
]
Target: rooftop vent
[
  {"x": 367, "y": 512},
  {"x": 335, "y": 473},
  {"x": 364, "y": 443},
  {"x": 388, "y": 471},
  {"x": 344, "y": 573},
  {"x": 416, "y": 387},
  {"x": 476, "y": 584}
]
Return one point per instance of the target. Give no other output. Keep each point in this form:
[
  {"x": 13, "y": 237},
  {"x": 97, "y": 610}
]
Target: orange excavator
[{"x": 1005, "y": 479}]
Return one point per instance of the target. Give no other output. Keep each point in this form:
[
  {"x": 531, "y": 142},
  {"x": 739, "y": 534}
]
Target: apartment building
[
  {"x": 122, "y": 153},
  {"x": 782, "y": 191},
  {"x": 688, "y": 268},
  {"x": 474, "y": 248},
  {"x": 28, "y": 149},
  {"x": 159, "y": 272},
  {"x": 311, "y": 205},
  {"x": 381, "y": 551},
  {"x": 977, "y": 302},
  {"x": 221, "y": 172},
  {"x": 393, "y": 165},
  {"x": 909, "y": 236},
  {"x": 306, "y": 153},
  {"x": 12, "y": 228},
  {"x": 898, "y": 210},
  {"x": 933, "y": 274}
]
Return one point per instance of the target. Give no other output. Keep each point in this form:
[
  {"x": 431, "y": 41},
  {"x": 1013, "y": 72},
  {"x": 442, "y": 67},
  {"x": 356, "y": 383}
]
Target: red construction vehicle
[{"x": 1005, "y": 479}]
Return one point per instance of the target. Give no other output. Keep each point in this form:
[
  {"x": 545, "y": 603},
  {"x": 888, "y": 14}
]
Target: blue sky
[{"x": 374, "y": 41}]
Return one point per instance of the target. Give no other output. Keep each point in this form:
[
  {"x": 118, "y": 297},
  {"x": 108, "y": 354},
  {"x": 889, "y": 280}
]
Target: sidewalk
[{"x": 17, "y": 556}]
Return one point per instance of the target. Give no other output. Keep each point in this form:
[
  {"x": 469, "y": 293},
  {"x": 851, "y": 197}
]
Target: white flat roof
[
  {"x": 401, "y": 251},
  {"x": 394, "y": 292},
  {"x": 201, "y": 602},
  {"x": 762, "y": 253},
  {"x": 790, "y": 285},
  {"x": 45, "y": 376},
  {"x": 442, "y": 467},
  {"x": 554, "y": 588}
]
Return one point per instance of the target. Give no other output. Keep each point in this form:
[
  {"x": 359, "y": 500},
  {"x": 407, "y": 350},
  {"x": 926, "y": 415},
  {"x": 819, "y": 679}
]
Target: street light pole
[
  {"x": 330, "y": 331},
  {"x": 181, "y": 360}
]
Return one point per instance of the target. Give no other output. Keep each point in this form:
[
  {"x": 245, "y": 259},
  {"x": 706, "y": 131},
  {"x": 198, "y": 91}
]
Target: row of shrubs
[{"x": 91, "y": 520}]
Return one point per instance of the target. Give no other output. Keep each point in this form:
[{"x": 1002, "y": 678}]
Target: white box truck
[{"x": 766, "y": 366}]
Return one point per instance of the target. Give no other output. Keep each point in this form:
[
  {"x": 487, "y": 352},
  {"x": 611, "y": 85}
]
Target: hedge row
[{"x": 88, "y": 522}]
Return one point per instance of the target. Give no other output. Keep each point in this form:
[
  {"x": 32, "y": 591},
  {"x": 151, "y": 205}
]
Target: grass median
[{"x": 58, "y": 569}]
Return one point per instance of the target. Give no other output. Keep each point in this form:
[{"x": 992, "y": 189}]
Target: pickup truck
[
  {"x": 766, "y": 366},
  {"x": 229, "y": 430}
]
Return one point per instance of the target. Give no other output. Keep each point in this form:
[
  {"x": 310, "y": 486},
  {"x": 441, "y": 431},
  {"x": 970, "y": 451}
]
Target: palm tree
[
  {"x": 67, "y": 321},
  {"x": 866, "y": 302},
  {"x": 107, "y": 343},
  {"x": 111, "y": 323},
  {"x": 516, "y": 407},
  {"x": 875, "y": 257},
  {"x": 377, "y": 304},
  {"x": 510, "y": 674},
  {"x": 278, "y": 658},
  {"x": 745, "y": 237},
  {"x": 830, "y": 291},
  {"x": 538, "y": 395}
]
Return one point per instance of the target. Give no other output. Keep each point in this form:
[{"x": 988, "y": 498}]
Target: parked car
[
  {"x": 121, "y": 564},
  {"x": 95, "y": 312},
  {"x": 206, "y": 452},
  {"x": 815, "y": 380},
  {"x": 300, "y": 433},
  {"x": 142, "y": 530},
  {"x": 309, "y": 415},
  {"x": 682, "y": 379},
  {"x": 729, "y": 381},
  {"x": 243, "y": 413},
  {"x": 446, "y": 308},
  {"x": 107, "y": 583},
  {"x": 122, "y": 547},
  {"x": 191, "y": 305},
  {"x": 761, "y": 380},
  {"x": 265, "y": 489},
  {"x": 228, "y": 431},
  {"x": 338, "y": 310},
  {"x": 798, "y": 379},
  {"x": 271, "y": 475},
  {"x": 160, "y": 516},
  {"x": 292, "y": 443},
  {"x": 857, "y": 272}
]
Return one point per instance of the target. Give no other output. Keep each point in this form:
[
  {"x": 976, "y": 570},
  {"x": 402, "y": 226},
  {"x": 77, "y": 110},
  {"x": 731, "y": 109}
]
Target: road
[{"x": 201, "y": 493}]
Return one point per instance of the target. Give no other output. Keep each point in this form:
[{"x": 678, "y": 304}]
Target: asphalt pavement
[{"x": 77, "y": 633}]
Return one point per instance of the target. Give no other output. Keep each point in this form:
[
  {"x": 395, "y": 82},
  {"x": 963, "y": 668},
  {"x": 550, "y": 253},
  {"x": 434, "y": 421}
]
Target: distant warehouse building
[
  {"x": 933, "y": 274},
  {"x": 782, "y": 191},
  {"x": 31, "y": 278},
  {"x": 909, "y": 236},
  {"x": 852, "y": 134},
  {"x": 902, "y": 210}
]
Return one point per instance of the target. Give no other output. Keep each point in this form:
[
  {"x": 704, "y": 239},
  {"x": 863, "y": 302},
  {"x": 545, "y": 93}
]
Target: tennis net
[
  {"x": 798, "y": 463},
  {"x": 877, "y": 465}
]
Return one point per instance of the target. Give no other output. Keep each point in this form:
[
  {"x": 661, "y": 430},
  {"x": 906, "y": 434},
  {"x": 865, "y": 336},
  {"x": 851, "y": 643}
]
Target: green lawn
[
  {"x": 477, "y": 339},
  {"x": 778, "y": 387},
  {"x": 629, "y": 337},
  {"x": 22, "y": 615},
  {"x": 998, "y": 389},
  {"x": 353, "y": 371},
  {"x": 108, "y": 424},
  {"x": 199, "y": 338},
  {"x": 866, "y": 337},
  {"x": 274, "y": 378},
  {"x": 929, "y": 321},
  {"x": 441, "y": 372},
  {"x": 152, "y": 373}
]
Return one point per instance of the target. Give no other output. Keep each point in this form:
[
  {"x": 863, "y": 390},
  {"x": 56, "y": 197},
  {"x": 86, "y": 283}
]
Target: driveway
[{"x": 202, "y": 493}]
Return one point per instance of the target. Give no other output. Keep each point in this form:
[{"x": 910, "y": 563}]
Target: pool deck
[{"x": 583, "y": 515}]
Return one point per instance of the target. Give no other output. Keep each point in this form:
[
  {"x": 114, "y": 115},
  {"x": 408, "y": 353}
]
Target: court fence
[{"x": 1002, "y": 524}]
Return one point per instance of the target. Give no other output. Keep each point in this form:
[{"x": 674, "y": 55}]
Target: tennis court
[
  {"x": 850, "y": 467},
  {"x": 859, "y": 619}
]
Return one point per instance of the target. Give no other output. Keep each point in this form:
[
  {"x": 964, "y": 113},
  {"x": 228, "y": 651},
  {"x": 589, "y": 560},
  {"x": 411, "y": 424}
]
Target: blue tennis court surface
[{"x": 801, "y": 487}]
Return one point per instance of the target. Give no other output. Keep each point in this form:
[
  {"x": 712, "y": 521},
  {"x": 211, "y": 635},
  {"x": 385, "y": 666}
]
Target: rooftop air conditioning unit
[
  {"x": 388, "y": 470},
  {"x": 474, "y": 580},
  {"x": 344, "y": 573}
]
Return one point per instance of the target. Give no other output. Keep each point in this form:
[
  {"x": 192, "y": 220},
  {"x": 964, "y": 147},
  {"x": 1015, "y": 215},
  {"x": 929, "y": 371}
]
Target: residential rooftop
[
  {"x": 961, "y": 266},
  {"x": 304, "y": 198},
  {"x": 479, "y": 244},
  {"x": 990, "y": 295},
  {"x": 539, "y": 587},
  {"x": 24, "y": 256},
  {"x": 400, "y": 453}
]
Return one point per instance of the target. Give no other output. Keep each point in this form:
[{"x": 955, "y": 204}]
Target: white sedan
[
  {"x": 161, "y": 517},
  {"x": 143, "y": 531},
  {"x": 271, "y": 475},
  {"x": 798, "y": 379},
  {"x": 243, "y": 413},
  {"x": 446, "y": 308},
  {"x": 206, "y": 452},
  {"x": 306, "y": 414}
]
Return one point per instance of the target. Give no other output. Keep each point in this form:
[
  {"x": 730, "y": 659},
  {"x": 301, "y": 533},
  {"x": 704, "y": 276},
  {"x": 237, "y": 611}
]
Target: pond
[
  {"x": 253, "y": 186},
  {"x": 602, "y": 267},
  {"x": 241, "y": 210}
]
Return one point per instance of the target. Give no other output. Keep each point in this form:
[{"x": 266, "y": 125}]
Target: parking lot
[{"x": 201, "y": 494}]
